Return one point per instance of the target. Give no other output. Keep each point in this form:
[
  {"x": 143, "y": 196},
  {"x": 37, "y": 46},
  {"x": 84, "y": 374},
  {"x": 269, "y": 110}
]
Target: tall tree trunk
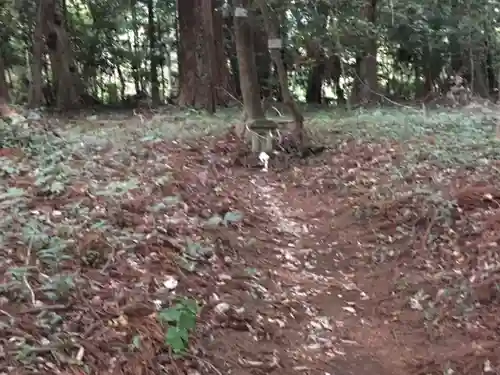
[
  {"x": 490, "y": 72},
  {"x": 368, "y": 79},
  {"x": 478, "y": 69},
  {"x": 314, "y": 90},
  {"x": 228, "y": 35},
  {"x": 335, "y": 72},
  {"x": 427, "y": 70},
  {"x": 272, "y": 28},
  {"x": 153, "y": 54},
  {"x": 204, "y": 77},
  {"x": 356, "y": 85},
  {"x": 136, "y": 59},
  {"x": 66, "y": 81},
  {"x": 207, "y": 10},
  {"x": 263, "y": 61},
  {"x": 255, "y": 119},
  {"x": 479, "y": 84},
  {"x": 249, "y": 81},
  {"x": 223, "y": 80},
  {"x": 315, "y": 51},
  {"x": 123, "y": 84},
  {"x": 4, "y": 88},
  {"x": 169, "y": 78},
  {"x": 35, "y": 96},
  {"x": 162, "y": 52}
]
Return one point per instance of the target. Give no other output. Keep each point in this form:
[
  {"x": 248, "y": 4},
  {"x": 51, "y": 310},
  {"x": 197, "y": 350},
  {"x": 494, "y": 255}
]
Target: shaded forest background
[{"x": 73, "y": 53}]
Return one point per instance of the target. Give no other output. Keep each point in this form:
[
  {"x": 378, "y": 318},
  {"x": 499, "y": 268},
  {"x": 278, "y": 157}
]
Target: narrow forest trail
[
  {"x": 360, "y": 270},
  {"x": 310, "y": 311},
  {"x": 336, "y": 265}
]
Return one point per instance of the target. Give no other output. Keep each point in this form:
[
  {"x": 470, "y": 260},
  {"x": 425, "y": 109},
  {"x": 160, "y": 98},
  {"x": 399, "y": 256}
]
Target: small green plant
[
  {"x": 136, "y": 343},
  {"x": 230, "y": 217},
  {"x": 50, "y": 250},
  {"x": 119, "y": 188},
  {"x": 53, "y": 178},
  {"x": 8, "y": 167},
  {"x": 181, "y": 321}
]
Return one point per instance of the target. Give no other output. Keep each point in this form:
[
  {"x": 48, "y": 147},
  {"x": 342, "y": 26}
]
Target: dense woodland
[
  {"x": 140, "y": 236},
  {"x": 73, "y": 53}
]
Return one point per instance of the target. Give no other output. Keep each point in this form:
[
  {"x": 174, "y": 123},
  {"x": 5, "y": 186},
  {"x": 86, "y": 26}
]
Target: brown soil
[{"x": 343, "y": 281}]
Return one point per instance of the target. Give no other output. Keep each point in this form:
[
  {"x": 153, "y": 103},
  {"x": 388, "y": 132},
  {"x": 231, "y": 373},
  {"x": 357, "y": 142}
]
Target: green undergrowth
[
  {"x": 113, "y": 160},
  {"x": 124, "y": 131},
  {"x": 62, "y": 184},
  {"x": 458, "y": 136},
  {"x": 410, "y": 198}
]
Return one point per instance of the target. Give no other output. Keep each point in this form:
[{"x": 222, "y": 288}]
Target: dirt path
[
  {"x": 324, "y": 274},
  {"x": 395, "y": 289},
  {"x": 309, "y": 311}
]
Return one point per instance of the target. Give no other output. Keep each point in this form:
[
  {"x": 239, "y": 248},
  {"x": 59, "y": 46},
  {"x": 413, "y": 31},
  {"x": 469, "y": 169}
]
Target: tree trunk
[
  {"x": 356, "y": 85},
  {"x": 263, "y": 61},
  {"x": 319, "y": 69},
  {"x": 136, "y": 59},
  {"x": 368, "y": 79},
  {"x": 225, "y": 87},
  {"x": 479, "y": 84},
  {"x": 66, "y": 80},
  {"x": 153, "y": 54},
  {"x": 4, "y": 88},
  {"x": 272, "y": 32},
  {"x": 490, "y": 72},
  {"x": 228, "y": 35},
  {"x": 204, "y": 77},
  {"x": 35, "y": 96},
  {"x": 169, "y": 79},
  {"x": 162, "y": 53},
  {"x": 314, "y": 92},
  {"x": 207, "y": 9},
  {"x": 249, "y": 81},
  {"x": 427, "y": 69},
  {"x": 335, "y": 72},
  {"x": 123, "y": 84}
]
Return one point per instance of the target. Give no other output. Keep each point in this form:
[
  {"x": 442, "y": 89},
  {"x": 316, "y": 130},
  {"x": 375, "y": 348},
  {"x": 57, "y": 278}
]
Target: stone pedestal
[{"x": 262, "y": 135}]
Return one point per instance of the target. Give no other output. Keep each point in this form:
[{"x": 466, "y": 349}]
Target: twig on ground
[
  {"x": 25, "y": 278},
  {"x": 3, "y": 312},
  {"x": 37, "y": 309},
  {"x": 428, "y": 231},
  {"x": 206, "y": 363},
  {"x": 111, "y": 259}
]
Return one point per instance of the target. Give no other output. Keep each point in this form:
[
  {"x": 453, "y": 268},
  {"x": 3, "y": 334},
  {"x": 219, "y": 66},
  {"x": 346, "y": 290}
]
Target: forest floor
[{"x": 137, "y": 246}]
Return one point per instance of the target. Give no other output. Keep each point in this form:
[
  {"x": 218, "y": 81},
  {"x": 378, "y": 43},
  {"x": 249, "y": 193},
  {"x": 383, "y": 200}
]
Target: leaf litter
[{"x": 144, "y": 251}]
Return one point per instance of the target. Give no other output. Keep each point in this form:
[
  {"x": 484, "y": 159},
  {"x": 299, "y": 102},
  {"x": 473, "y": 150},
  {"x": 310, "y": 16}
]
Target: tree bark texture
[
  {"x": 249, "y": 81},
  {"x": 273, "y": 33},
  {"x": 204, "y": 77},
  {"x": 367, "y": 79},
  {"x": 68, "y": 87},
  {"x": 35, "y": 97},
  {"x": 4, "y": 88}
]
